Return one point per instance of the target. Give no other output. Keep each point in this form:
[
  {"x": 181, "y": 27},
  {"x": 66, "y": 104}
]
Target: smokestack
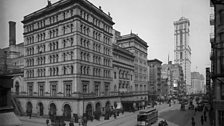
[{"x": 12, "y": 33}]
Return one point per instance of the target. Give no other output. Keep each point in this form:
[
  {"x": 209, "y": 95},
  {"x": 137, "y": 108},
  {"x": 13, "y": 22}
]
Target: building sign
[{"x": 208, "y": 80}]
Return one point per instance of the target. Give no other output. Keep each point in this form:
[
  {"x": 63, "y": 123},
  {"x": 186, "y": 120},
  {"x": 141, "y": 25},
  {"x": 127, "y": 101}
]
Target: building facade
[
  {"x": 182, "y": 52},
  {"x": 154, "y": 78},
  {"x": 197, "y": 82},
  {"x": 138, "y": 47},
  {"x": 68, "y": 60},
  {"x": 217, "y": 62},
  {"x": 173, "y": 73}
]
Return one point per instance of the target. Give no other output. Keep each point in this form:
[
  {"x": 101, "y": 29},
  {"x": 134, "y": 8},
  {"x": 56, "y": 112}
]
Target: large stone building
[
  {"x": 154, "y": 76},
  {"x": 68, "y": 60},
  {"x": 182, "y": 52},
  {"x": 138, "y": 47},
  {"x": 197, "y": 83},
  {"x": 123, "y": 79},
  {"x": 217, "y": 62}
]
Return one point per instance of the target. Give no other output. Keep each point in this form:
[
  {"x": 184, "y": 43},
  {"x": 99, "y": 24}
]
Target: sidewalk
[
  {"x": 197, "y": 118},
  {"x": 42, "y": 121}
]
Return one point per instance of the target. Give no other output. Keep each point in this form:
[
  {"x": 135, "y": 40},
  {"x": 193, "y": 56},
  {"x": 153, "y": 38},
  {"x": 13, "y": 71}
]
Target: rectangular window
[
  {"x": 85, "y": 86},
  {"x": 97, "y": 88},
  {"x": 115, "y": 75},
  {"x": 30, "y": 89},
  {"x": 67, "y": 88},
  {"x": 53, "y": 88},
  {"x": 107, "y": 89},
  {"x": 41, "y": 88}
]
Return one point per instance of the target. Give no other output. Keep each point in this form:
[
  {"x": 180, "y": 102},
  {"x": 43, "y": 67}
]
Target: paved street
[{"x": 172, "y": 114}]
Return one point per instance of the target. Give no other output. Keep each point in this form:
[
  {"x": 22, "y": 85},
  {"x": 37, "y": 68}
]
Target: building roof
[
  {"x": 122, "y": 50},
  {"x": 132, "y": 36},
  {"x": 154, "y": 60},
  {"x": 63, "y": 3},
  {"x": 182, "y": 20}
]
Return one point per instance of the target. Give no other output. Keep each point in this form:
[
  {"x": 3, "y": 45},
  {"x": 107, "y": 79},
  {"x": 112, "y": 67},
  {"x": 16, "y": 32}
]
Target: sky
[{"x": 152, "y": 20}]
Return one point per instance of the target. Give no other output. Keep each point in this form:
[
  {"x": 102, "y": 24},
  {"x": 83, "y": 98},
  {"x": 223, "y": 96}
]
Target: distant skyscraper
[{"x": 182, "y": 52}]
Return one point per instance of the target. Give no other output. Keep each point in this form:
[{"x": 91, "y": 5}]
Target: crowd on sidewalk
[{"x": 200, "y": 117}]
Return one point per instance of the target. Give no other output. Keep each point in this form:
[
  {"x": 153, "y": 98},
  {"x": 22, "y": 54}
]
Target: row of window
[
  {"x": 54, "y": 71},
  {"x": 84, "y": 29},
  {"x": 53, "y": 88},
  {"x": 85, "y": 56},
  {"x": 41, "y": 72},
  {"x": 41, "y": 36},
  {"x": 30, "y": 62},
  {"x": 30, "y": 51},
  {"x": 106, "y": 50},
  {"x": 67, "y": 55},
  {"x": 85, "y": 69},
  {"x": 84, "y": 15},
  {"x": 54, "y": 58},
  {"x": 96, "y": 35},
  {"x": 41, "y": 48},
  {"x": 96, "y": 71},
  {"x": 96, "y": 47},
  {"x": 52, "y": 19},
  {"x": 84, "y": 42},
  {"x": 66, "y": 14},
  {"x": 106, "y": 61},
  {"x": 68, "y": 28},
  {"x": 30, "y": 39},
  {"x": 68, "y": 42},
  {"x": 53, "y": 45},
  {"x": 106, "y": 40},
  {"x": 106, "y": 73},
  {"x": 41, "y": 60},
  {"x": 30, "y": 73},
  {"x": 96, "y": 59},
  {"x": 53, "y": 32}
]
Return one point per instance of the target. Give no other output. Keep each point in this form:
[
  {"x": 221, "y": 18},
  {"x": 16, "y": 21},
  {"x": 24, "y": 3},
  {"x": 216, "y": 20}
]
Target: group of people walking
[{"x": 203, "y": 117}]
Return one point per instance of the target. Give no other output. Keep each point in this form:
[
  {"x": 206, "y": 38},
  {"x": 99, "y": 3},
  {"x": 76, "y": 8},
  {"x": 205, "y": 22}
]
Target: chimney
[{"x": 12, "y": 33}]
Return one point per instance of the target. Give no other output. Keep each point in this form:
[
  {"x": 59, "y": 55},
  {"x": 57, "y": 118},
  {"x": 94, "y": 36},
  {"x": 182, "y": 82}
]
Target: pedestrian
[
  {"x": 205, "y": 118},
  {"x": 202, "y": 120},
  {"x": 47, "y": 122},
  {"x": 192, "y": 121},
  {"x": 71, "y": 123}
]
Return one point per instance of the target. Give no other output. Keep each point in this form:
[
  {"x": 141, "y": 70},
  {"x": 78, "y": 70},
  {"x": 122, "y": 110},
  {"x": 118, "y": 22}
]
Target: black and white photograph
[{"x": 111, "y": 62}]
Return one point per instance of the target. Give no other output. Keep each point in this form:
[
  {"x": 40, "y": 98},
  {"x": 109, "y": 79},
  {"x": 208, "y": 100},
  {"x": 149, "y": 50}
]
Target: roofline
[{"x": 47, "y": 9}]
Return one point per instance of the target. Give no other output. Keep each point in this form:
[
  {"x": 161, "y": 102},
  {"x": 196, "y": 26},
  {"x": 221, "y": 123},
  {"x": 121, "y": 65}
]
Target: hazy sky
[{"x": 152, "y": 20}]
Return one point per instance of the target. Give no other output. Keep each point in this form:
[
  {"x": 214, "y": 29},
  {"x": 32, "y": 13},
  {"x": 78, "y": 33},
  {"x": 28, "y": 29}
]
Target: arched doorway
[
  {"x": 67, "y": 112},
  {"x": 41, "y": 109},
  {"x": 29, "y": 108},
  {"x": 97, "y": 113},
  {"x": 98, "y": 107},
  {"x": 52, "y": 111},
  {"x": 89, "y": 111},
  {"x": 17, "y": 88}
]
